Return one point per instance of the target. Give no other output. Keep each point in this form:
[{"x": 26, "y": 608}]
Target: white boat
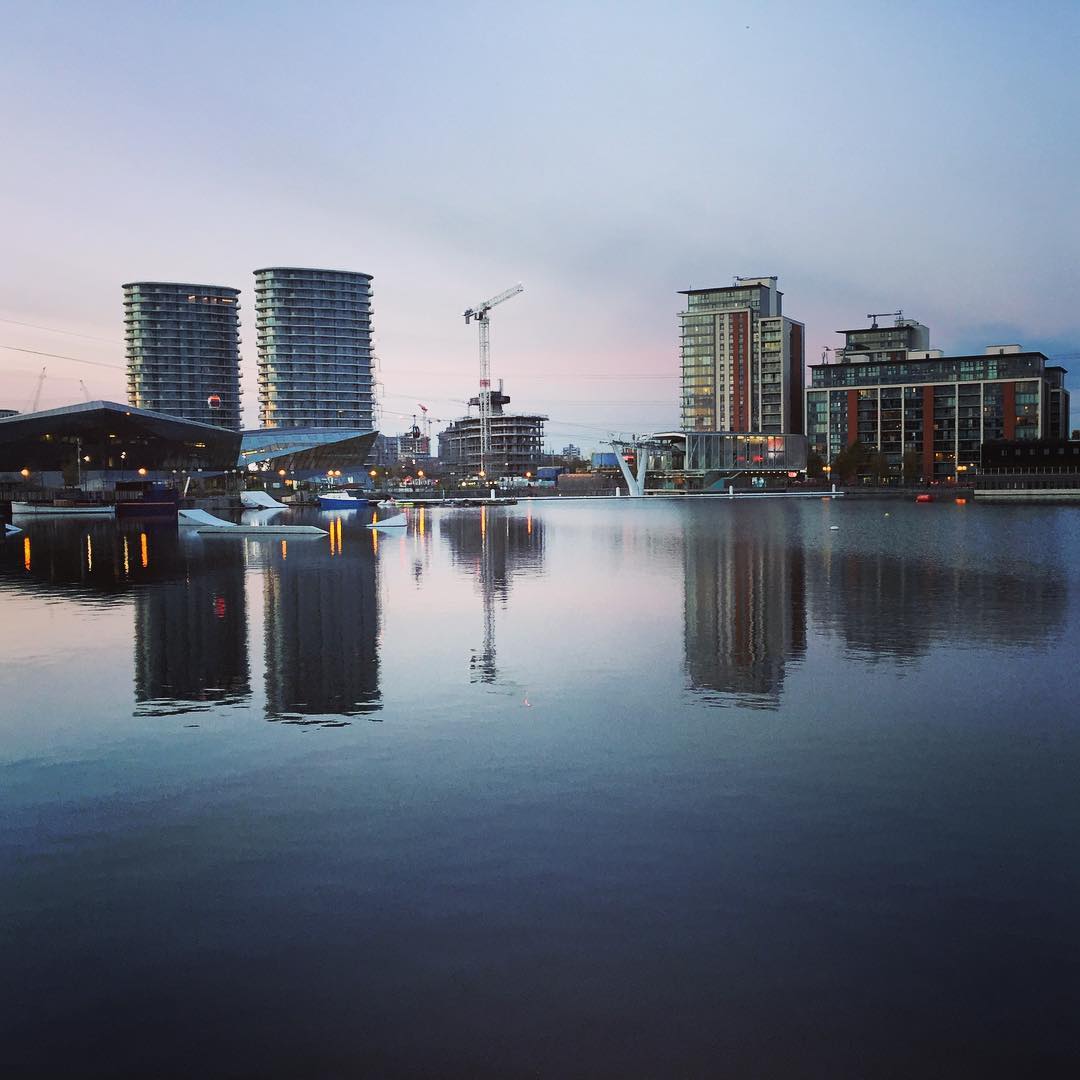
[
  {"x": 398, "y": 521},
  {"x": 57, "y": 510},
  {"x": 207, "y": 525},
  {"x": 10, "y": 530},
  {"x": 260, "y": 500}
]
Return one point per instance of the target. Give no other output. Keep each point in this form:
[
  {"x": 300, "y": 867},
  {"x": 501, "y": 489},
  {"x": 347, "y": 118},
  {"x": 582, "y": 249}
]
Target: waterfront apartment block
[
  {"x": 182, "y": 344},
  {"x": 902, "y": 400},
  {"x": 314, "y": 343},
  {"x": 742, "y": 360}
]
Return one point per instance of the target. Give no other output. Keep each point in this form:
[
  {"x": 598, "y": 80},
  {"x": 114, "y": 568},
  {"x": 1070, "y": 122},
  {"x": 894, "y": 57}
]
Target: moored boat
[
  {"x": 340, "y": 500},
  {"x": 62, "y": 507},
  {"x": 147, "y": 499}
]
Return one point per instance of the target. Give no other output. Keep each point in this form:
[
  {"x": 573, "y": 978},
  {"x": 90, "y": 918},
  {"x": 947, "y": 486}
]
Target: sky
[{"x": 874, "y": 157}]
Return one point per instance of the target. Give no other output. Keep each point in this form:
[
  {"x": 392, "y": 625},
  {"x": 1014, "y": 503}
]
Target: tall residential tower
[
  {"x": 314, "y": 336},
  {"x": 742, "y": 360},
  {"x": 182, "y": 344}
]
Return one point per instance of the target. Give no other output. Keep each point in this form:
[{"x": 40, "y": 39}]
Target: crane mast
[
  {"x": 480, "y": 314},
  {"x": 35, "y": 401}
]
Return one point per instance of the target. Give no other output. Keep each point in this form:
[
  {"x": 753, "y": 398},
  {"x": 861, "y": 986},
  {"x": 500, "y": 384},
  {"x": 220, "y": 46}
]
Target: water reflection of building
[
  {"x": 493, "y": 546},
  {"x": 93, "y": 560},
  {"x": 891, "y": 605},
  {"x": 744, "y": 605},
  {"x": 321, "y": 627},
  {"x": 191, "y": 634}
]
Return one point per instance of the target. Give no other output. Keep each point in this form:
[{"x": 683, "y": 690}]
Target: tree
[
  {"x": 847, "y": 464},
  {"x": 878, "y": 465},
  {"x": 815, "y": 466},
  {"x": 912, "y": 467}
]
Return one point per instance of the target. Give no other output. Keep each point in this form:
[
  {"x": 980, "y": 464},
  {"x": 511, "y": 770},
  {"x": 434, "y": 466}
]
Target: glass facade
[
  {"x": 304, "y": 452},
  {"x": 943, "y": 369},
  {"x": 709, "y": 451},
  {"x": 944, "y": 408},
  {"x": 742, "y": 360},
  {"x": 182, "y": 344},
  {"x": 314, "y": 338}
]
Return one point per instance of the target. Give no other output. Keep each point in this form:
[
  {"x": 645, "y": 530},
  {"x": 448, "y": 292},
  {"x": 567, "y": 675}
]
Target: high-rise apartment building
[
  {"x": 742, "y": 360},
  {"x": 314, "y": 338},
  {"x": 182, "y": 343}
]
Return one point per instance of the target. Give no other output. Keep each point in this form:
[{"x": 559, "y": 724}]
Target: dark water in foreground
[{"x": 625, "y": 790}]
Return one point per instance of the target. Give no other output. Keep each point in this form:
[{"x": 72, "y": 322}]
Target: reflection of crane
[
  {"x": 484, "y": 669},
  {"x": 36, "y": 399},
  {"x": 480, "y": 314}
]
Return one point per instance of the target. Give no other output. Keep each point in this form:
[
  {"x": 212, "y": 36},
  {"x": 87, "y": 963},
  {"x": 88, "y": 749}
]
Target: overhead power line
[
  {"x": 59, "y": 356},
  {"x": 57, "y": 330}
]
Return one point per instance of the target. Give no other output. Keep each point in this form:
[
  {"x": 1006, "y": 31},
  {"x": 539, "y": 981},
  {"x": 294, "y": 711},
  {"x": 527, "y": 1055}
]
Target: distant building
[
  {"x": 385, "y": 450},
  {"x": 182, "y": 344},
  {"x": 517, "y": 441},
  {"x": 414, "y": 447},
  {"x": 571, "y": 451},
  {"x": 314, "y": 340},
  {"x": 895, "y": 396},
  {"x": 8, "y": 412},
  {"x": 742, "y": 360}
]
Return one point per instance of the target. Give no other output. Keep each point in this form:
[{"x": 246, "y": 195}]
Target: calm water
[{"x": 653, "y": 789}]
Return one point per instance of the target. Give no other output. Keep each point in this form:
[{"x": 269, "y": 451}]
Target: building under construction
[{"x": 517, "y": 440}]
